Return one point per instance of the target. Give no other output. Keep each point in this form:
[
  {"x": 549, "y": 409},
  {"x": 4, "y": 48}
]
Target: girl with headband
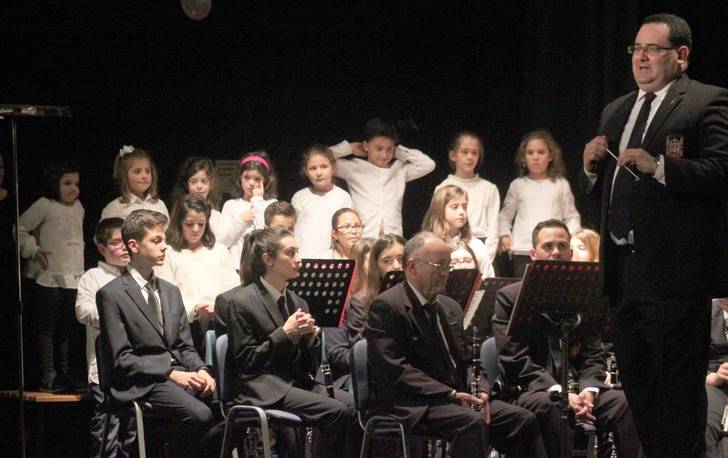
[{"x": 255, "y": 189}]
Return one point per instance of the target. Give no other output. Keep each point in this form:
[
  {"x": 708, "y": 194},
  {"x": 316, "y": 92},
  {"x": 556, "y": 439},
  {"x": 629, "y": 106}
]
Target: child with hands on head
[
  {"x": 137, "y": 178},
  {"x": 255, "y": 189},
  {"x": 377, "y": 175}
]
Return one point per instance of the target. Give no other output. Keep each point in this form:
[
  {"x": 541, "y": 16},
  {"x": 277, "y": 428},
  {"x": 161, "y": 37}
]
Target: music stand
[
  {"x": 461, "y": 285},
  {"x": 555, "y": 298},
  {"x": 325, "y": 286},
  {"x": 390, "y": 279},
  {"x": 15, "y": 111},
  {"x": 482, "y": 304}
]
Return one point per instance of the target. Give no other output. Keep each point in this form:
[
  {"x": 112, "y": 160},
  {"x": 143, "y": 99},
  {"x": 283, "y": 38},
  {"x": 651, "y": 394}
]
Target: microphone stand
[{"x": 14, "y": 112}]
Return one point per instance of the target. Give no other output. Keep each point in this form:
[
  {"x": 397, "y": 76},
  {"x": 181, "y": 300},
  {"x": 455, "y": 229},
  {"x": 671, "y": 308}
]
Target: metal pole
[{"x": 21, "y": 357}]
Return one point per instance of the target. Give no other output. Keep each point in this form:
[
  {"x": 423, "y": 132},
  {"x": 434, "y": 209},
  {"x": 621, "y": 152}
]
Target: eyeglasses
[
  {"x": 461, "y": 261},
  {"x": 440, "y": 266},
  {"x": 651, "y": 50},
  {"x": 349, "y": 228},
  {"x": 114, "y": 242}
]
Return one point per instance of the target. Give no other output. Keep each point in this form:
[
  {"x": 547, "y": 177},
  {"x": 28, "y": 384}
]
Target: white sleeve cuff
[{"x": 660, "y": 172}]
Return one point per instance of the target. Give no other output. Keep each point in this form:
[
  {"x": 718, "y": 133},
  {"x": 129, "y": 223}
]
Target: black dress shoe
[{"x": 48, "y": 384}]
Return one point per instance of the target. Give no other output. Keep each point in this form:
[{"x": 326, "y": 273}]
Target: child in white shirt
[
  {"x": 465, "y": 157},
  {"x": 255, "y": 188},
  {"x": 447, "y": 218},
  {"x": 316, "y": 204},
  {"x": 378, "y": 174},
  {"x": 540, "y": 193},
  {"x": 51, "y": 236},
  {"x": 137, "y": 178},
  {"x": 110, "y": 246}
]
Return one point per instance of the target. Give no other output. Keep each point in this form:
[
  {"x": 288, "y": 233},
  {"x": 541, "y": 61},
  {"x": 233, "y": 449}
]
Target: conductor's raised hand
[{"x": 594, "y": 151}]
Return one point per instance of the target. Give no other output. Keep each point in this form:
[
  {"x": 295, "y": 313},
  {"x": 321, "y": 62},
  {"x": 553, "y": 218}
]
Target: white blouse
[
  {"x": 118, "y": 209},
  {"x": 200, "y": 275},
  {"x": 58, "y": 230},
  {"x": 236, "y": 228},
  {"x": 528, "y": 202},
  {"x": 313, "y": 220}
]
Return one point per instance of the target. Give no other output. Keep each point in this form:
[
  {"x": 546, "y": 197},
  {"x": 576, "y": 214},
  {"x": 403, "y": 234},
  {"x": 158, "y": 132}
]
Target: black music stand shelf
[{"x": 325, "y": 286}]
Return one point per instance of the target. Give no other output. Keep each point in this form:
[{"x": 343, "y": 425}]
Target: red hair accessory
[{"x": 255, "y": 158}]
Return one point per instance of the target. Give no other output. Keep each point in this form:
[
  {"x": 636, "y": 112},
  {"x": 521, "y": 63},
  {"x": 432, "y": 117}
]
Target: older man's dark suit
[
  {"x": 527, "y": 363},
  {"x": 408, "y": 373},
  {"x": 661, "y": 285},
  {"x": 142, "y": 354},
  {"x": 267, "y": 369}
]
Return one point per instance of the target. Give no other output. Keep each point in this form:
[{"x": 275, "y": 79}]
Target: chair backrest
[
  {"x": 489, "y": 360},
  {"x": 359, "y": 375},
  {"x": 221, "y": 346}
]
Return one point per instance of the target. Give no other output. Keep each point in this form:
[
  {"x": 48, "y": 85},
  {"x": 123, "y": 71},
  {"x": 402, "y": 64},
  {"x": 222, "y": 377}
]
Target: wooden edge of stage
[{"x": 39, "y": 396}]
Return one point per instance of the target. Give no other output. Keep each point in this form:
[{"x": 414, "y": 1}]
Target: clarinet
[
  {"x": 326, "y": 367},
  {"x": 477, "y": 369}
]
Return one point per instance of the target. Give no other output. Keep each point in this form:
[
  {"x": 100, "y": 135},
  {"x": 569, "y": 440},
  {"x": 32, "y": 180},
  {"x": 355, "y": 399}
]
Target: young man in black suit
[
  {"x": 530, "y": 364},
  {"x": 659, "y": 230},
  {"x": 145, "y": 332},
  {"x": 418, "y": 363}
]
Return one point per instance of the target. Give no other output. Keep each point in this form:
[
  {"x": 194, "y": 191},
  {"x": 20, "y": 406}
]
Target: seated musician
[
  {"x": 716, "y": 382},
  {"x": 144, "y": 324},
  {"x": 532, "y": 364},
  {"x": 271, "y": 354},
  {"x": 418, "y": 362}
]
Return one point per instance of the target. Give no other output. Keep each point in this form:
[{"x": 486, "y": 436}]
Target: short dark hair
[
  {"x": 680, "y": 34},
  {"x": 548, "y": 224},
  {"x": 53, "y": 173},
  {"x": 190, "y": 167},
  {"x": 105, "y": 228},
  {"x": 279, "y": 207},
  {"x": 138, "y": 223},
  {"x": 175, "y": 236},
  {"x": 377, "y": 127}
]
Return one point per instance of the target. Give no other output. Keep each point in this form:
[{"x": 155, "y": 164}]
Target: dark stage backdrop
[{"x": 283, "y": 75}]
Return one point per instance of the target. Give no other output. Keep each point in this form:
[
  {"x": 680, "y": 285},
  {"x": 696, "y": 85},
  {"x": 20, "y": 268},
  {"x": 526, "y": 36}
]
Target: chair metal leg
[
  {"x": 405, "y": 445},
  {"x": 592, "y": 446},
  {"x": 103, "y": 453},
  {"x": 140, "y": 430}
]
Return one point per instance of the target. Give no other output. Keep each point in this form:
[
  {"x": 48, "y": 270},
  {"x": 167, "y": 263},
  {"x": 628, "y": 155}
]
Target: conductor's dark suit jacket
[
  {"x": 262, "y": 362},
  {"x": 404, "y": 377},
  {"x": 524, "y": 361},
  {"x": 677, "y": 227},
  {"x": 141, "y": 354}
]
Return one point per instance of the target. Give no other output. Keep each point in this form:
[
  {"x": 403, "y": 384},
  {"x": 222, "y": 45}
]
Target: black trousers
[
  {"x": 335, "y": 419},
  {"x": 464, "y": 428},
  {"x": 514, "y": 430},
  {"x": 611, "y": 412},
  {"x": 191, "y": 416},
  {"x": 662, "y": 350},
  {"x": 55, "y": 321}
]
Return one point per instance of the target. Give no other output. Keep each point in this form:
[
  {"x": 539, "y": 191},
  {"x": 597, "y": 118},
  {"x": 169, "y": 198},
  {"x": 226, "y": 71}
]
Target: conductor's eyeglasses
[{"x": 651, "y": 50}]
